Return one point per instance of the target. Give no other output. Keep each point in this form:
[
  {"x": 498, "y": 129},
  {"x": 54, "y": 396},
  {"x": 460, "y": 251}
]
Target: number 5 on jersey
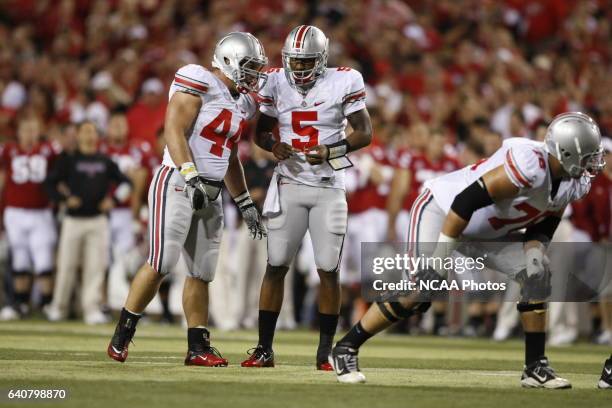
[
  {"x": 217, "y": 132},
  {"x": 308, "y": 131}
]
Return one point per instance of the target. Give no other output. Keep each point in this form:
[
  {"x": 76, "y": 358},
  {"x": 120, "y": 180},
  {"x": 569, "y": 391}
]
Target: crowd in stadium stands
[{"x": 447, "y": 81}]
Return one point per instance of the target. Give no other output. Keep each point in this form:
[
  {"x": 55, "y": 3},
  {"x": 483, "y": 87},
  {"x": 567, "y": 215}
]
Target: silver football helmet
[
  {"x": 241, "y": 58},
  {"x": 574, "y": 139},
  {"x": 305, "y": 56}
]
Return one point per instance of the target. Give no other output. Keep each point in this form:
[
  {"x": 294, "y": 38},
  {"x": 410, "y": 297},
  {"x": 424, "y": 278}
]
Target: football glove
[
  {"x": 535, "y": 279},
  {"x": 444, "y": 249},
  {"x": 194, "y": 187},
  {"x": 251, "y": 215}
]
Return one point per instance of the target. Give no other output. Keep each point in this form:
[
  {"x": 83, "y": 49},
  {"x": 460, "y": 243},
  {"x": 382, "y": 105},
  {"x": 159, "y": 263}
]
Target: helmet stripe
[{"x": 299, "y": 36}]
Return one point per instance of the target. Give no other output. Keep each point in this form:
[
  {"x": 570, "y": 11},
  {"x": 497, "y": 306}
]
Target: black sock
[
  {"x": 128, "y": 320},
  {"x": 355, "y": 337},
  {"x": 534, "y": 346},
  {"x": 125, "y": 329},
  {"x": 22, "y": 298},
  {"x": 595, "y": 324},
  {"x": 476, "y": 321},
  {"x": 327, "y": 330},
  {"x": 267, "y": 326},
  {"x": 45, "y": 299},
  {"x": 198, "y": 338},
  {"x": 439, "y": 321}
]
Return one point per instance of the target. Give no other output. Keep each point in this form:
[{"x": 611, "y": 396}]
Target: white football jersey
[
  {"x": 220, "y": 121},
  {"x": 319, "y": 117},
  {"x": 525, "y": 162}
]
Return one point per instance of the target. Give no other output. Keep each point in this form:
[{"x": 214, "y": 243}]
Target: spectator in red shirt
[{"x": 147, "y": 115}]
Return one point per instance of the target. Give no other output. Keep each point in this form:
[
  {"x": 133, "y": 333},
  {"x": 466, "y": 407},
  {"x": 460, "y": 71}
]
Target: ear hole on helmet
[
  {"x": 566, "y": 154},
  {"x": 226, "y": 60}
]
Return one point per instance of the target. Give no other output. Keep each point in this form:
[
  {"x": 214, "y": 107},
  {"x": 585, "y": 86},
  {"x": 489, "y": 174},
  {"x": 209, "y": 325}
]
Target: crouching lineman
[
  {"x": 524, "y": 184},
  {"x": 204, "y": 120},
  {"x": 311, "y": 105}
]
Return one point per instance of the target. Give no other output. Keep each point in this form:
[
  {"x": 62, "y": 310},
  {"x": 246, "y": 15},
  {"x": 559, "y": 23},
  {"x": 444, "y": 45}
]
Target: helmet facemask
[
  {"x": 302, "y": 70},
  {"x": 593, "y": 164},
  {"x": 249, "y": 76}
]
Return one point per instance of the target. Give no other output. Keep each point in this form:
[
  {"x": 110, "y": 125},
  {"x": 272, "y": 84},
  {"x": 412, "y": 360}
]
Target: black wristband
[
  {"x": 243, "y": 200},
  {"x": 338, "y": 149},
  {"x": 268, "y": 143},
  {"x": 472, "y": 198}
]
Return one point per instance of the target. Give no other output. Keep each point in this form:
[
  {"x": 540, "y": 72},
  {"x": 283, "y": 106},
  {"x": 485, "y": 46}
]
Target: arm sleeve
[
  {"x": 266, "y": 97},
  {"x": 58, "y": 173},
  {"x": 355, "y": 95},
  {"x": 526, "y": 167},
  {"x": 192, "y": 78}
]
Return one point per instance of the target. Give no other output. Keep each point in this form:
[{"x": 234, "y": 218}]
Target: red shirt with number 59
[
  {"x": 25, "y": 171},
  {"x": 319, "y": 117}
]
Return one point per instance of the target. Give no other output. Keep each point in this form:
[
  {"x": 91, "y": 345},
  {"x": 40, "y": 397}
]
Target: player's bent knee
[
  {"x": 537, "y": 307},
  {"x": 402, "y": 309}
]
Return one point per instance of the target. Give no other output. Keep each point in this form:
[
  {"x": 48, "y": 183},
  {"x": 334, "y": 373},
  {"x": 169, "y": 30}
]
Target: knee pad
[
  {"x": 399, "y": 311},
  {"x": 337, "y": 216},
  {"x": 538, "y": 307}
]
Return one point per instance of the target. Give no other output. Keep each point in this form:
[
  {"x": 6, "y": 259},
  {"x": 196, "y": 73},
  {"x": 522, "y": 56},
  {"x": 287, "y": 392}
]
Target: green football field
[{"x": 401, "y": 371}]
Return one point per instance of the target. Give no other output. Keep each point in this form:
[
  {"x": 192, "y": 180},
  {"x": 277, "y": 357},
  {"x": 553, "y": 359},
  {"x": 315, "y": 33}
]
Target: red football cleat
[
  {"x": 259, "y": 358},
  {"x": 324, "y": 366},
  {"x": 117, "y": 355},
  {"x": 210, "y": 357}
]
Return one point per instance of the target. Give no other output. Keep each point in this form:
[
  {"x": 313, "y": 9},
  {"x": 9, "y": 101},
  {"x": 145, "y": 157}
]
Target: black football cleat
[
  {"x": 539, "y": 374},
  {"x": 118, "y": 347},
  {"x": 605, "y": 382},
  {"x": 345, "y": 362}
]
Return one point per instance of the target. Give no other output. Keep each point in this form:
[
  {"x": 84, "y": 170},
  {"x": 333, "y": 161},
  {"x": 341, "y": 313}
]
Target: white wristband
[{"x": 188, "y": 170}]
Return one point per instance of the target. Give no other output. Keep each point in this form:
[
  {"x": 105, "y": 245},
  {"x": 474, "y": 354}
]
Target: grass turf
[{"x": 401, "y": 371}]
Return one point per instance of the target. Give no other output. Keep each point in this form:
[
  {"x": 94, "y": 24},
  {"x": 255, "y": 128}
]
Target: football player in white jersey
[
  {"x": 524, "y": 185},
  {"x": 204, "y": 121},
  {"x": 311, "y": 104}
]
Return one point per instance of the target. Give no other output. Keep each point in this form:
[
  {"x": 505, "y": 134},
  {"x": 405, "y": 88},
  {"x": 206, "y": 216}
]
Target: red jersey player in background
[
  {"x": 368, "y": 184},
  {"x": 413, "y": 171},
  {"x": 28, "y": 218},
  {"x": 131, "y": 158},
  {"x": 593, "y": 215}
]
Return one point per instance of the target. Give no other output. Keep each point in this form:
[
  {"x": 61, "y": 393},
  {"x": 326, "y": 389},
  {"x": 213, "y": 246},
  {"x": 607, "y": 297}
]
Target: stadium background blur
[{"x": 472, "y": 71}]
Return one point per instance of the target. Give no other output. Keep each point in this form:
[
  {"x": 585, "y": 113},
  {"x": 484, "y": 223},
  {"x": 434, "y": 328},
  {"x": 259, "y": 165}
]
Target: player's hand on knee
[
  {"x": 251, "y": 215},
  {"x": 536, "y": 260},
  {"x": 282, "y": 151}
]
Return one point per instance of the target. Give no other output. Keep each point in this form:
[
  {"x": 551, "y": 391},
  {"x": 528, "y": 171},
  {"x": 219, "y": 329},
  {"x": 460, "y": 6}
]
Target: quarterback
[
  {"x": 311, "y": 104},
  {"x": 204, "y": 121},
  {"x": 522, "y": 189}
]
